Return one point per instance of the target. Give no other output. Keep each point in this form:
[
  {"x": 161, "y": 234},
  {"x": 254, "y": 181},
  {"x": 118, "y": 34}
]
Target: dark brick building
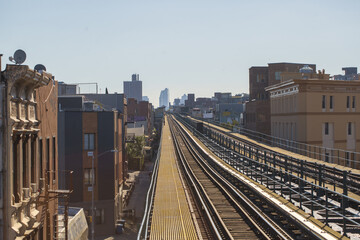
[
  {"x": 97, "y": 133},
  {"x": 140, "y": 113},
  {"x": 257, "y": 117}
]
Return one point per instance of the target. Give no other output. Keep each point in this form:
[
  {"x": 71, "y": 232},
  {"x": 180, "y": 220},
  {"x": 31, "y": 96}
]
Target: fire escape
[{"x": 59, "y": 197}]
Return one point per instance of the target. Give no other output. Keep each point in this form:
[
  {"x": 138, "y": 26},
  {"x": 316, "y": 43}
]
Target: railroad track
[
  {"x": 233, "y": 214},
  {"x": 331, "y": 175},
  {"x": 288, "y": 180}
]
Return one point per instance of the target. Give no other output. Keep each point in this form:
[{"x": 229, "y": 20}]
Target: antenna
[
  {"x": 40, "y": 68},
  {"x": 19, "y": 57}
]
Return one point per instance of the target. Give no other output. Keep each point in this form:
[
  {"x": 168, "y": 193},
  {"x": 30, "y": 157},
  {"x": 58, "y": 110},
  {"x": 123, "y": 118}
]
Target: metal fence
[{"x": 332, "y": 155}]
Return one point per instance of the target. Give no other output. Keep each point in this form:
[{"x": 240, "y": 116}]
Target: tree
[{"x": 135, "y": 149}]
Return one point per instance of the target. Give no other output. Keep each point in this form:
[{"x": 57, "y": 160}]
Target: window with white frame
[
  {"x": 278, "y": 76},
  {"x": 89, "y": 141}
]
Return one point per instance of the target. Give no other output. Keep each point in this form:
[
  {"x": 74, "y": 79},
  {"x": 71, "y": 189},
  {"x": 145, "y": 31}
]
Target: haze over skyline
[{"x": 197, "y": 47}]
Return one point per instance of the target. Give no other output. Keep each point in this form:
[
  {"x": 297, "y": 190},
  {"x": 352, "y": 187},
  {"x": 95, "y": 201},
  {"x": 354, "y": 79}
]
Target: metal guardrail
[
  {"x": 144, "y": 227},
  {"x": 332, "y": 155},
  {"x": 331, "y": 174}
]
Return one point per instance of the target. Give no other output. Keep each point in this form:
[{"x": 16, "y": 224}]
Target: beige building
[
  {"x": 29, "y": 193},
  {"x": 310, "y": 108}
]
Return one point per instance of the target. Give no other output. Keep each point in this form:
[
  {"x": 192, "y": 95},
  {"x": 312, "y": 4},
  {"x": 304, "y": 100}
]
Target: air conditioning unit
[
  {"x": 26, "y": 192},
  {"x": 34, "y": 188}
]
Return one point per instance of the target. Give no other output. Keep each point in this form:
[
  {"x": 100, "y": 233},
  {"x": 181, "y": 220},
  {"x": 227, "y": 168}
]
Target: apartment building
[
  {"x": 257, "y": 117},
  {"x": 28, "y": 152},
  {"x": 85, "y": 134},
  {"x": 313, "y": 109}
]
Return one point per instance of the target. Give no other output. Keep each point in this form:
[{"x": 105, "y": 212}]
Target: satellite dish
[
  {"x": 19, "y": 57},
  {"x": 40, "y": 68}
]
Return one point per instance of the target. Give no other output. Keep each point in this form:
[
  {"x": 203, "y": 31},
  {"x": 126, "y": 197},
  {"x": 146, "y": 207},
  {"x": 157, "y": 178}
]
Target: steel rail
[
  {"x": 353, "y": 179},
  {"x": 204, "y": 202},
  {"x": 298, "y": 192},
  {"x": 232, "y": 193}
]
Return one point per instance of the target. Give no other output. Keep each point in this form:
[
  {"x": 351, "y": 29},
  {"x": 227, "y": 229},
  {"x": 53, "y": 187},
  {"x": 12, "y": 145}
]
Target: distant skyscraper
[
  {"x": 164, "y": 98},
  {"x": 133, "y": 88},
  {"x": 145, "y": 98},
  {"x": 190, "y": 100},
  {"x": 182, "y": 100}
]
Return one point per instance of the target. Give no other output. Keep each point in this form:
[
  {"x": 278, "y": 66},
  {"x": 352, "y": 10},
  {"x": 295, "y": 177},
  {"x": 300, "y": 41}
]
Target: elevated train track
[
  {"x": 303, "y": 183},
  {"x": 347, "y": 180},
  {"x": 236, "y": 209},
  {"x": 227, "y": 216}
]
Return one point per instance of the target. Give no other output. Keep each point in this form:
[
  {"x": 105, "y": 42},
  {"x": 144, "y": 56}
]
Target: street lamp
[{"x": 91, "y": 154}]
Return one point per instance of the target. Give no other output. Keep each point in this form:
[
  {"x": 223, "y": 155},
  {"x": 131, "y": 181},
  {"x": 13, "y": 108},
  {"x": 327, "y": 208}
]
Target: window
[
  {"x": 88, "y": 176},
  {"x": 353, "y": 102},
  {"x": 54, "y": 157},
  {"x": 331, "y": 102},
  {"x": 15, "y": 170},
  {"x": 260, "y": 78},
  {"x": 100, "y": 216},
  {"x": 278, "y": 76},
  {"x": 348, "y": 102},
  {"x": 89, "y": 141},
  {"x": 47, "y": 159},
  {"x": 41, "y": 157},
  {"x": 349, "y": 128},
  {"x": 32, "y": 162},
  {"x": 25, "y": 168},
  {"x": 326, "y": 128},
  {"x": 47, "y": 154},
  {"x": 323, "y": 104}
]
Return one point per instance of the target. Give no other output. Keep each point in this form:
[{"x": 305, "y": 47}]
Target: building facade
[
  {"x": 84, "y": 135},
  {"x": 28, "y": 153},
  {"x": 321, "y": 112},
  {"x": 133, "y": 88},
  {"x": 257, "y": 117},
  {"x": 189, "y": 102},
  {"x": 139, "y": 115}
]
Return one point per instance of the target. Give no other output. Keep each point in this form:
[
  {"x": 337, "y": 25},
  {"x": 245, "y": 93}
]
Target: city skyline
[{"x": 205, "y": 46}]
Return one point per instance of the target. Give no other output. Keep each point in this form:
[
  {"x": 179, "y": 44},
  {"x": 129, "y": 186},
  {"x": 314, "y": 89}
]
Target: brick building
[
  {"x": 83, "y": 134},
  {"x": 258, "y": 108},
  {"x": 139, "y": 114}
]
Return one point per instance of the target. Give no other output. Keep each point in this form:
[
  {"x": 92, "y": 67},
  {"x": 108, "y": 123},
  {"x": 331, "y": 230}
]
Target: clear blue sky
[{"x": 188, "y": 46}]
